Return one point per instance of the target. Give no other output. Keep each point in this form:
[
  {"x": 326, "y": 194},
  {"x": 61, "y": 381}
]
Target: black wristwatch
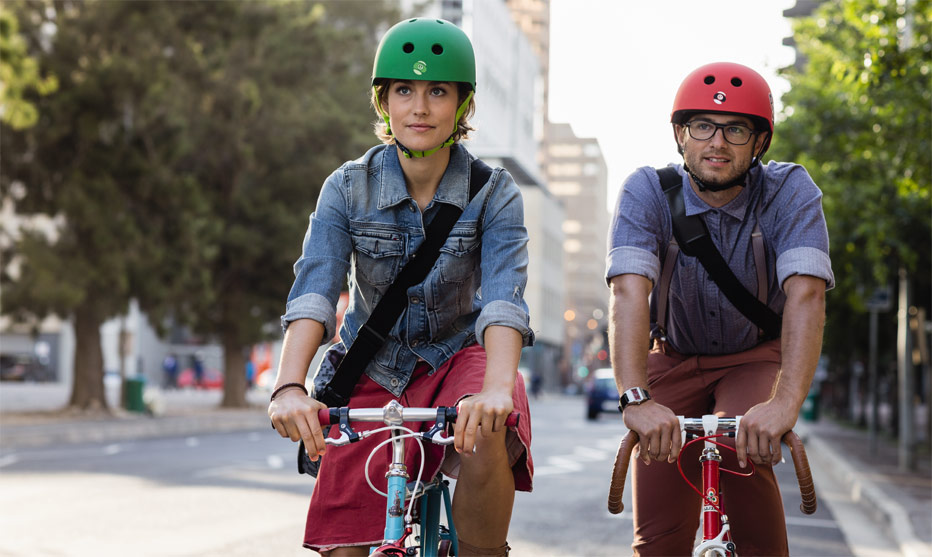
[{"x": 633, "y": 396}]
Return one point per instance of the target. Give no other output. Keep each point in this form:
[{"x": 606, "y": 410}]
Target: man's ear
[{"x": 678, "y": 136}]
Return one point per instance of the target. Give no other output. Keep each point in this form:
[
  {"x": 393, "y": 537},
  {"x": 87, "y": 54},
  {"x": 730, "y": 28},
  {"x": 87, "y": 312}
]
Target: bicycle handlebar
[
  {"x": 328, "y": 416},
  {"x": 790, "y": 439}
]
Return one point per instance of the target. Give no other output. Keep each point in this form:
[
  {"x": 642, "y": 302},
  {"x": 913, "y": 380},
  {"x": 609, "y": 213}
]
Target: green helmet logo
[{"x": 413, "y": 45}]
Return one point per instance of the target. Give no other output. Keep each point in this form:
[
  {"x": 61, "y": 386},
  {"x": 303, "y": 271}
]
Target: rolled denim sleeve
[
  {"x": 324, "y": 261},
  {"x": 637, "y": 228},
  {"x": 504, "y": 262}
]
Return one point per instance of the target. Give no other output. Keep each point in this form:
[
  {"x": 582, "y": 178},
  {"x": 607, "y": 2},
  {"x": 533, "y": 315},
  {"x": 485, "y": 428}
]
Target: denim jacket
[{"x": 367, "y": 226}]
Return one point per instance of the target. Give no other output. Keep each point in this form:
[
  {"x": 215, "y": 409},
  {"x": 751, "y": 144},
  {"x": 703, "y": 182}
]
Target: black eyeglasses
[{"x": 703, "y": 130}]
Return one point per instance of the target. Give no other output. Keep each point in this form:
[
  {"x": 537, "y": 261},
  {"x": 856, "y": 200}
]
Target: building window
[
  {"x": 565, "y": 188},
  {"x": 566, "y": 150}
]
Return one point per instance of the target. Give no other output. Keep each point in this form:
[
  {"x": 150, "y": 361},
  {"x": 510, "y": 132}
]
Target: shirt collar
[
  {"x": 736, "y": 208},
  {"x": 453, "y": 188}
]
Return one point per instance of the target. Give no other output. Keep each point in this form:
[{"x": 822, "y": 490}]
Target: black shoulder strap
[
  {"x": 693, "y": 238},
  {"x": 373, "y": 332}
]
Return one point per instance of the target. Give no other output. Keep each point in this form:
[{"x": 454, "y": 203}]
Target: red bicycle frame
[{"x": 716, "y": 534}]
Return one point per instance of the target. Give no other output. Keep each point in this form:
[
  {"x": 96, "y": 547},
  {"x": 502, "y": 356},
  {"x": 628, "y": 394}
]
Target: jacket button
[
  {"x": 414, "y": 299},
  {"x": 394, "y": 382},
  {"x": 415, "y": 342}
]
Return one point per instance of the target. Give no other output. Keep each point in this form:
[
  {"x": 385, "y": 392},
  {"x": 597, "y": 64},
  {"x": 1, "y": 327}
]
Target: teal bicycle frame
[
  {"x": 432, "y": 535},
  {"x": 435, "y": 494}
]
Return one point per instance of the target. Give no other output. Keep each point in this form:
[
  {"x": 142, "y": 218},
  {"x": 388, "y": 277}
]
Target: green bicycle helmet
[{"x": 427, "y": 50}]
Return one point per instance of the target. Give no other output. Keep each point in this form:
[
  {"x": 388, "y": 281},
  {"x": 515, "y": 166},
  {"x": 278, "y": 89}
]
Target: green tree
[
  {"x": 281, "y": 100},
  {"x": 858, "y": 118},
  {"x": 101, "y": 160},
  {"x": 181, "y": 157}
]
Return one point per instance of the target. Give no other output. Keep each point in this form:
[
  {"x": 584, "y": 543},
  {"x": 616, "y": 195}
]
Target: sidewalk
[
  {"x": 30, "y": 416},
  {"x": 899, "y": 501}
]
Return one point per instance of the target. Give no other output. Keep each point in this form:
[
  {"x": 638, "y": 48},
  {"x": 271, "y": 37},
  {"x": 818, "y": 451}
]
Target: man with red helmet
[{"x": 706, "y": 356}]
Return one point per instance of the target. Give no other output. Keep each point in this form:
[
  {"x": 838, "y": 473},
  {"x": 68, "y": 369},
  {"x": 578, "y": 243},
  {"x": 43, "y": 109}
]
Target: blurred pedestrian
[
  {"x": 170, "y": 372},
  {"x": 197, "y": 365}
]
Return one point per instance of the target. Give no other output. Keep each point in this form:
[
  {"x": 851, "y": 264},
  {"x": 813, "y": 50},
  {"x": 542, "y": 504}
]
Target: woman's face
[{"x": 422, "y": 113}]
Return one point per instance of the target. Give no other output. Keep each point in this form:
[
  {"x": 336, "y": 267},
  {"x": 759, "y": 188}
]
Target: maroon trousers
[{"x": 666, "y": 509}]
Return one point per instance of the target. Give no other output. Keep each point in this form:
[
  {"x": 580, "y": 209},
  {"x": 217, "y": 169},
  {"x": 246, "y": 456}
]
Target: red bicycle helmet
[{"x": 727, "y": 88}]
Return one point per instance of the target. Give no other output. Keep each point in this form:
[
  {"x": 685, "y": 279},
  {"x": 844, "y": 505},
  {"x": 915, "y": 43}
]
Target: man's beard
[{"x": 712, "y": 182}]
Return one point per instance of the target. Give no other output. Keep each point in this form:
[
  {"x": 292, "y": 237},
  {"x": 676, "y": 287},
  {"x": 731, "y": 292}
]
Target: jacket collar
[{"x": 453, "y": 188}]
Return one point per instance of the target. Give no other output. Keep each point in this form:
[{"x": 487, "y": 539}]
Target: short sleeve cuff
[
  {"x": 630, "y": 260},
  {"x": 805, "y": 261},
  {"x": 311, "y": 306},
  {"x": 500, "y": 312}
]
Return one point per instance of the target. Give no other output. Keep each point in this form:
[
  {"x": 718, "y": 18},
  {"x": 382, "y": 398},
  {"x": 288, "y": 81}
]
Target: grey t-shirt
[{"x": 700, "y": 320}]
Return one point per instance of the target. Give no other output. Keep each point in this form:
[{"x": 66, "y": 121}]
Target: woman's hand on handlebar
[
  {"x": 481, "y": 414},
  {"x": 294, "y": 415},
  {"x": 658, "y": 429}
]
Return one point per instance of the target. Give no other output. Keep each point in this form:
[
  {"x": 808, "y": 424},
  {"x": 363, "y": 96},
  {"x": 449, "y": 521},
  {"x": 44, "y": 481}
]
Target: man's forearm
[
  {"x": 629, "y": 330},
  {"x": 801, "y": 343}
]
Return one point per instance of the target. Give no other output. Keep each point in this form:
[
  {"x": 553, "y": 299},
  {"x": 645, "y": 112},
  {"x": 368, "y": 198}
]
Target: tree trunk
[
  {"x": 234, "y": 373},
  {"x": 87, "y": 390}
]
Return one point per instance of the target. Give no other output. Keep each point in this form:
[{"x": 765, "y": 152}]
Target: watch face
[{"x": 634, "y": 396}]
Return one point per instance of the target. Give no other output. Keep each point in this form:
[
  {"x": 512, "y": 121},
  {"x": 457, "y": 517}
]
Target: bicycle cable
[
  {"x": 710, "y": 439},
  {"x": 418, "y": 485}
]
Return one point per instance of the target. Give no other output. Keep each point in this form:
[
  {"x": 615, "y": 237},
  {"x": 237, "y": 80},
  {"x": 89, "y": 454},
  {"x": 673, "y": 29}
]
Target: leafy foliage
[
  {"x": 858, "y": 118},
  {"x": 180, "y": 159},
  {"x": 19, "y": 73}
]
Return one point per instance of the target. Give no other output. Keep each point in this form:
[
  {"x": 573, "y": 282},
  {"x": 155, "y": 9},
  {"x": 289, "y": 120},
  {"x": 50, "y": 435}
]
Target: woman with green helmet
[{"x": 459, "y": 337}]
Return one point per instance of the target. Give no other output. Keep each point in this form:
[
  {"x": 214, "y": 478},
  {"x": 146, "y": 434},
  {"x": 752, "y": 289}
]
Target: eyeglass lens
[{"x": 736, "y": 134}]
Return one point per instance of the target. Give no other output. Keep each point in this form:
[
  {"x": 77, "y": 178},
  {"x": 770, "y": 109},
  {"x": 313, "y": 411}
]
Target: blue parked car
[{"x": 601, "y": 393}]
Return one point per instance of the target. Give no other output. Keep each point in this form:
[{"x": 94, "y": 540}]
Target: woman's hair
[{"x": 380, "y": 94}]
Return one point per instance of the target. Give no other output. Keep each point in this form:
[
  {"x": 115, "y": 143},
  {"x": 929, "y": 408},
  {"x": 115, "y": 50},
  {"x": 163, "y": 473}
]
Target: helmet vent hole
[
  {"x": 437, "y": 49},
  {"x": 408, "y": 48},
  {"x": 736, "y": 81},
  {"x": 709, "y": 79}
]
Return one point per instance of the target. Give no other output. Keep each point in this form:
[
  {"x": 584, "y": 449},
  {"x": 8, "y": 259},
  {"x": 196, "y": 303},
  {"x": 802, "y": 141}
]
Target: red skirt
[{"x": 344, "y": 510}]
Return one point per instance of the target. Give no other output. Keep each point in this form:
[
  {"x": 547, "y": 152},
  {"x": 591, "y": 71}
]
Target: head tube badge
[{"x": 420, "y": 67}]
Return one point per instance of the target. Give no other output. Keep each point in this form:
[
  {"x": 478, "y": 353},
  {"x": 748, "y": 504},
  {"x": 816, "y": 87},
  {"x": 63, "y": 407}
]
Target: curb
[
  {"x": 877, "y": 502},
  {"x": 123, "y": 428}
]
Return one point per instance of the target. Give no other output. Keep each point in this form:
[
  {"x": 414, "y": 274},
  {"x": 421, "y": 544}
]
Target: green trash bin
[
  {"x": 134, "y": 389},
  {"x": 810, "y": 409}
]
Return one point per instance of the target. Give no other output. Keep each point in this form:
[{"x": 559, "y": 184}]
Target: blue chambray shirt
[
  {"x": 367, "y": 226},
  {"x": 700, "y": 320}
]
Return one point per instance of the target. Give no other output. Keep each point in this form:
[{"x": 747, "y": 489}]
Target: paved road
[{"x": 235, "y": 494}]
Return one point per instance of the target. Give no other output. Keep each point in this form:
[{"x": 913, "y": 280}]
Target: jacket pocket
[
  {"x": 377, "y": 256},
  {"x": 459, "y": 255}
]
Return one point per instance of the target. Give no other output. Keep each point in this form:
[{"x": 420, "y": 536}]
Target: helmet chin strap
[
  {"x": 412, "y": 154},
  {"x": 739, "y": 181}
]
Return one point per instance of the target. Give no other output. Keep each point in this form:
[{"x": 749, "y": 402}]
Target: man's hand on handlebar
[
  {"x": 760, "y": 432},
  {"x": 294, "y": 415},
  {"x": 658, "y": 429}
]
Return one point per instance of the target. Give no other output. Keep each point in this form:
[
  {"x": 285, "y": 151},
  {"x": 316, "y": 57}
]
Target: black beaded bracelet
[{"x": 287, "y": 386}]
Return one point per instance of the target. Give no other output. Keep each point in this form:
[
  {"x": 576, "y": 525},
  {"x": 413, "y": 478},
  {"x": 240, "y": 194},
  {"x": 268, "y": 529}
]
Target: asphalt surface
[{"x": 31, "y": 416}]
